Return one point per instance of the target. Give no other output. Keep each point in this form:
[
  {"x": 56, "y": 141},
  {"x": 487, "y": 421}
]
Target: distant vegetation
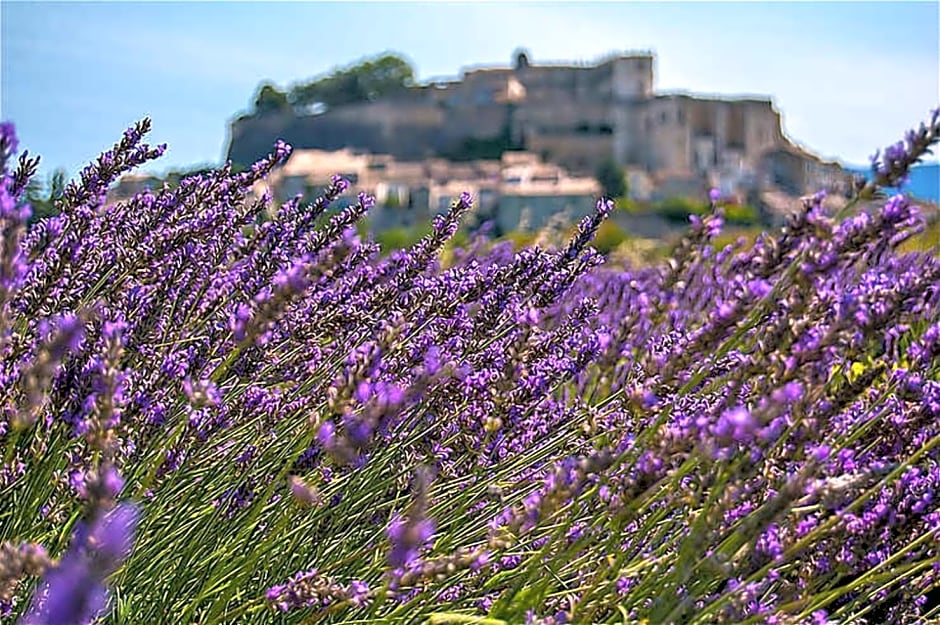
[
  {"x": 42, "y": 197},
  {"x": 366, "y": 81},
  {"x": 611, "y": 178},
  {"x": 678, "y": 209},
  {"x": 489, "y": 148}
]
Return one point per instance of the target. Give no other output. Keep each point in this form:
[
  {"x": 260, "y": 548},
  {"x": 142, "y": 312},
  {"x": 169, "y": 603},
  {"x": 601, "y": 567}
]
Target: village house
[{"x": 408, "y": 193}]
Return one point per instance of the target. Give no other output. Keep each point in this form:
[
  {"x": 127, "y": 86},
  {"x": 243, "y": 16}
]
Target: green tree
[
  {"x": 270, "y": 100},
  {"x": 366, "y": 81},
  {"x": 611, "y": 178}
]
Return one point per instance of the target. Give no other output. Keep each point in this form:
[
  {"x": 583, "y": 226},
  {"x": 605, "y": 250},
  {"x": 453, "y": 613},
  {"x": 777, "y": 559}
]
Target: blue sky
[{"x": 848, "y": 77}]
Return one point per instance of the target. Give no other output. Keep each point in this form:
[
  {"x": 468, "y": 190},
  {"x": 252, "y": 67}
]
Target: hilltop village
[{"x": 557, "y": 123}]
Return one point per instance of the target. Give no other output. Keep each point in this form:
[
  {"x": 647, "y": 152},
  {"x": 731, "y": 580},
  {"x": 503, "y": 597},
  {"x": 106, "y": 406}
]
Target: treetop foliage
[{"x": 365, "y": 81}]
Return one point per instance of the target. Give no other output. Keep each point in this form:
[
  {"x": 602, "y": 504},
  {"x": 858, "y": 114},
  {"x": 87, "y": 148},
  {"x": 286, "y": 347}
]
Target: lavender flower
[
  {"x": 74, "y": 590},
  {"x": 309, "y": 589},
  {"x": 737, "y": 433}
]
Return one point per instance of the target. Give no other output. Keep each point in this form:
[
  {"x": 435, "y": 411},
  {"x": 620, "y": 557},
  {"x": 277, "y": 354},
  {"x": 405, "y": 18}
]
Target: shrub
[
  {"x": 201, "y": 424},
  {"x": 741, "y": 214},
  {"x": 402, "y": 237},
  {"x": 679, "y": 208},
  {"x": 609, "y": 236},
  {"x": 627, "y": 205},
  {"x": 611, "y": 178},
  {"x": 519, "y": 238}
]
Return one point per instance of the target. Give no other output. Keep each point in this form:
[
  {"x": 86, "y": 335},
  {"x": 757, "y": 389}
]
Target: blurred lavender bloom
[
  {"x": 74, "y": 591},
  {"x": 737, "y": 425}
]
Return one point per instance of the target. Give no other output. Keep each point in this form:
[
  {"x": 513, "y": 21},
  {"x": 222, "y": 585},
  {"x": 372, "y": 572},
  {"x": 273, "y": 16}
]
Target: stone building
[
  {"x": 794, "y": 171},
  {"x": 517, "y": 190},
  {"x": 573, "y": 115}
]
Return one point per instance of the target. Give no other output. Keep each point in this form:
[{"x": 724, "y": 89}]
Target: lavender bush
[{"x": 217, "y": 410}]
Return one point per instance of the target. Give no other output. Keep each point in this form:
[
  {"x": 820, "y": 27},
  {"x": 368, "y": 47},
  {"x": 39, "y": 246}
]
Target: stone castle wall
[{"x": 576, "y": 116}]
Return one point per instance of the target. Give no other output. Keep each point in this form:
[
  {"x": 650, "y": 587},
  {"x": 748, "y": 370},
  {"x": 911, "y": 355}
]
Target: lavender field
[{"x": 223, "y": 410}]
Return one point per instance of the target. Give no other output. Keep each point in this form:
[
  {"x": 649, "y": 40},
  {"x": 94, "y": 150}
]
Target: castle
[{"x": 576, "y": 116}]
